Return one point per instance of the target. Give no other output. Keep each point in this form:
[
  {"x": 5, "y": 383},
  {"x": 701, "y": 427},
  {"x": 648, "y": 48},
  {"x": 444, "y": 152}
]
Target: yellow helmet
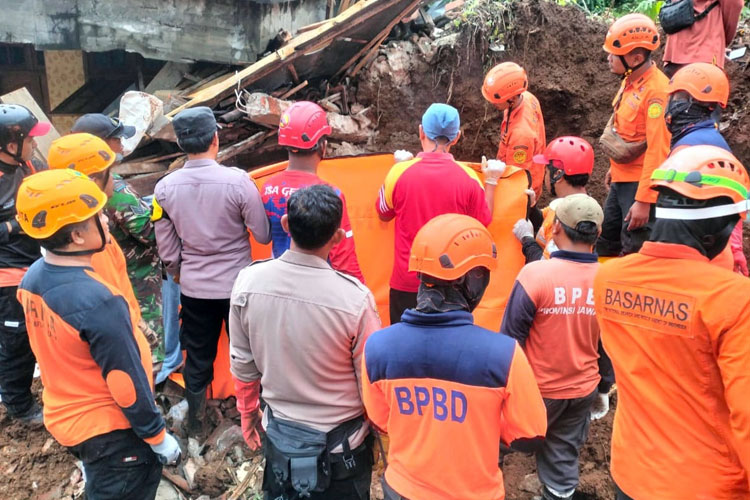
[
  {"x": 51, "y": 199},
  {"x": 85, "y": 153}
]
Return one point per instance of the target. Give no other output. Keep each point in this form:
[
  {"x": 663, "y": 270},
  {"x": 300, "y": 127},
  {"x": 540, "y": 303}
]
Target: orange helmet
[
  {"x": 504, "y": 82},
  {"x": 703, "y": 81},
  {"x": 631, "y": 32},
  {"x": 52, "y": 199},
  {"x": 451, "y": 245},
  {"x": 703, "y": 173},
  {"x": 85, "y": 153}
]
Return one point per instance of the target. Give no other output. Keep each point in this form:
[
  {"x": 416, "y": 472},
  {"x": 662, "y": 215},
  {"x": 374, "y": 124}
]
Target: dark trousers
[
  {"x": 16, "y": 359},
  {"x": 389, "y": 493},
  {"x": 619, "y": 495},
  {"x": 199, "y": 336},
  {"x": 399, "y": 302},
  {"x": 615, "y": 239},
  {"x": 671, "y": 68},
  {"x": 119, "y": 465},
  {"x": 567, "y": 429},
  {"x": 355, "y": 487}
]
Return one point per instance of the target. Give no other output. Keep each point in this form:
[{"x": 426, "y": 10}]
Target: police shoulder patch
[
  {"x": 519, "y": 156},
  {"x": 655, "y": 110}
]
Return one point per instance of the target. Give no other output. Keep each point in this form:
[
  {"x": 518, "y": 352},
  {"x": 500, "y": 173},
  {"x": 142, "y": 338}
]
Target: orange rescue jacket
[
  {"x": 639, "y": 115},
  {"x": 522, "y": 137},
  {"x": 678, "y": 331}
]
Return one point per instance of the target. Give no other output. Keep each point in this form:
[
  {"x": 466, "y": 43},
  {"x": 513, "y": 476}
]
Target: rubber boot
[
  {"x": 32, "y": 417},
  {"x": 196, "y": 412}
]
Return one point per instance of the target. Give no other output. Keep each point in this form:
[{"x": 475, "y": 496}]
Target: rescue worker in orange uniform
[
  {"x": 676, "y": 327},
  {"x": 446, "y": 391},
  {"x": 92, "y": 157},
  {"x": 569, "y": 161},
  {"x": 550, "y": 313},
  {"x": 522, "y": 129},
  {"x": 696, "y": 92},
  {"x": 636, "y": 138},
  {"x": 95, "y": 364},
  {"x": 18, "y": 127}
]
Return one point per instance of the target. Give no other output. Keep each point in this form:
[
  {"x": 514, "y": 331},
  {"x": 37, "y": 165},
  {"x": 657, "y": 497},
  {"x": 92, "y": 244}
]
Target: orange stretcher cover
[{"x": 360, "y": 179}]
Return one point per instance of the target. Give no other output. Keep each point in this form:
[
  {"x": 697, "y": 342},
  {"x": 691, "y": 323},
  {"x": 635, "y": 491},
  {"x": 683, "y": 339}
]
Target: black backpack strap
[{"x": 705, "y": 12}]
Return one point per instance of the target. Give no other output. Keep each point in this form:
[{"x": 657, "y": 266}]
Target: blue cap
[
  {"x": 441, "y": 120},
  {"x": 194, "y": 122}
]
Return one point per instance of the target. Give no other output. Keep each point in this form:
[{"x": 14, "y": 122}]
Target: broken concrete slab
[
  {"x": 190, "y": 469},
  {"x": 266, "y": 110}
]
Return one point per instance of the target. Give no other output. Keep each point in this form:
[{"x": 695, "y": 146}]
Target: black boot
[
  {"x": 196, "y": 412},
  {"x": 548, "y": 495}
]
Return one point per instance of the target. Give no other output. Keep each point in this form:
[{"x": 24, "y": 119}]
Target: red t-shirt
[
  {"x": 418, "y": 190},
  {"x": 277, "y": 190}
]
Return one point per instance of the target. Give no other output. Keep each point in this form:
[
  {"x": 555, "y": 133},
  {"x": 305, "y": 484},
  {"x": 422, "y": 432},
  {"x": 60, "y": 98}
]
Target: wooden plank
[
  {"x": 144, "y": 184},
  {"x": 370, "y": 55},
  {"x": 310, "y": 27},
  {"x": 344, "y": 6},
  {"x": 378, "y": 40},
  {"x": 235, "y": 149},
  {"x": 139, "y": 167},
  {"x": 293, "y": 90},
  {"x": 23, "y": 97},
  {"x": 297, "y": 47}
]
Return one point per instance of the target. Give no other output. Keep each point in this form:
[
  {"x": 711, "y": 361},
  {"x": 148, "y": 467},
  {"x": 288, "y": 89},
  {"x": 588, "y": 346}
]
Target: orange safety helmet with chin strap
[
  {"x": 451, "y": 245},
  {"x": 504, "y": 82},
  {"x": 84, "y": 153},
  {"x": 631, "y": 32},
  {"x": 703, "y": 81},
  {"x": 52, "y": 199},
  {"x": 703, "y": 173}
]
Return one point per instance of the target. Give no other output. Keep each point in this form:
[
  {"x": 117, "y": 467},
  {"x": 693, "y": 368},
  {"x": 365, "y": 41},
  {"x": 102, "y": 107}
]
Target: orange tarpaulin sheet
[{"x": 360, "y": 179}]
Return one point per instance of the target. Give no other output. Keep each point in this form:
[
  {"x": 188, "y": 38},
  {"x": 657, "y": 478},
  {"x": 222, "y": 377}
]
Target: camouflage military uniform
[{"x": 131, "y": 226}]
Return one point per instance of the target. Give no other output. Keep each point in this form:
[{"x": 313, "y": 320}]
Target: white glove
[
  {"x": 600, "y": 407},
  {"x": 168, "y": 450},
  {"x": 523, "y": 228},
  {"x": 532, "y": 196},
  {"x": 492, "y": 170},
  {"x": 402, "y": 155}
]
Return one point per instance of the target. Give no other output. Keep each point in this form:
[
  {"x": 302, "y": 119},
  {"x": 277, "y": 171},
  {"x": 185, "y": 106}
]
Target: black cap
[
  {"x": 194, "y": 122},
  {"x": 103, "y": 127}
]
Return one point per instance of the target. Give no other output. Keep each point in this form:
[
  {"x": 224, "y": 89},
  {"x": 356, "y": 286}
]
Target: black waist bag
[
  {"x": 301, "y": 456},
  {"x": 677, "y": 15}
]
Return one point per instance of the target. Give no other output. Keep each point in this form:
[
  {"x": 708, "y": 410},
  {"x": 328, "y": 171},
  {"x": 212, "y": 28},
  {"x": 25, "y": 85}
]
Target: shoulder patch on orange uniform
[
  {"x": 519, "y": 156},
  {"x": 655, "y": 110}
]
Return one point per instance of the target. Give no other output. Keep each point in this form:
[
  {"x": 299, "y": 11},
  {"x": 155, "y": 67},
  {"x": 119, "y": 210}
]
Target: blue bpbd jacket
[{"x": 437, "y": 380}]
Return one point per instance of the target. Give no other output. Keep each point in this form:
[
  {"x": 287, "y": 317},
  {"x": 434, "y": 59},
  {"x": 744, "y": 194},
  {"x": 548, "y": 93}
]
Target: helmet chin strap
[
  {"x": 89, "y": 251},
  {"x": 18, "y": 156},
  {"x": 628, "y": 69}
]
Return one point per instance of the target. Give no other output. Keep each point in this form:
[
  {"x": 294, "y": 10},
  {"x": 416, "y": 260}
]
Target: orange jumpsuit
[
  {"x": 522, "y": 137},
  {"x": 676, "y": 328}
]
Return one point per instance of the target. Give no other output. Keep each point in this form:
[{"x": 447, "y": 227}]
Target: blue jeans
[{"x": 170, "y": 297}]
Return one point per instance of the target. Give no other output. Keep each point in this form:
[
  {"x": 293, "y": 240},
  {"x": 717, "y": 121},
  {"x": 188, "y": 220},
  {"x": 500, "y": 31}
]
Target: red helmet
[
  {"x": 302, "y": 125},
  {"x": 572, "y": 155}
]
